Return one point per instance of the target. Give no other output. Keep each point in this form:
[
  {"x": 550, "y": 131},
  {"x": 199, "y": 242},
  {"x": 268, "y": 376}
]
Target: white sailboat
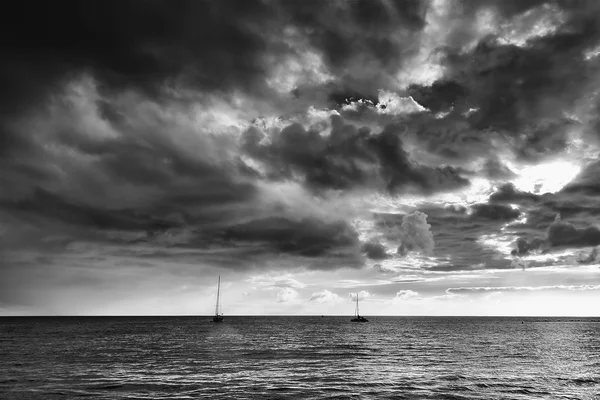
[
  {"x": 357, "y": 317},
  {"x": 218, "y": 314}
]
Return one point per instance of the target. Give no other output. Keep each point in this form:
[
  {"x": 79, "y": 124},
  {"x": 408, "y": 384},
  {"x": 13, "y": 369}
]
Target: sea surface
[{"x": 299, "y": 358}]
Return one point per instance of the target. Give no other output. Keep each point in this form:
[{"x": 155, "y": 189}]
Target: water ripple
[{"x": 299, "y": 357}]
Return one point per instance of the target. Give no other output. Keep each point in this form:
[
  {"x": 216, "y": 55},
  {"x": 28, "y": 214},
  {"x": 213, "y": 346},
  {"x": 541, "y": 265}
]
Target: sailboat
[
  {"x": 357, "y": 317},
  {"x": 218, "y": 316}
]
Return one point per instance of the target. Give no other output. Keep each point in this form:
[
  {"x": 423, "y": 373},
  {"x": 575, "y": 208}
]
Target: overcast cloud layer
[{"x": 424, "y": 153}]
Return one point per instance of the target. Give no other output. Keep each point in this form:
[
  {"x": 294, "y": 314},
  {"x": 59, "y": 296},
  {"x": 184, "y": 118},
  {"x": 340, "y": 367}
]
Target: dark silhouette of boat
[
  {"x": 218, "y": 315},
  {"x": 357, "y": 317}
]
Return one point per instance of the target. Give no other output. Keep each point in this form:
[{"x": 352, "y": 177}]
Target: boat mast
[
  {"x": 218, "y": 290},
  {"x": 357, "y": 304}
]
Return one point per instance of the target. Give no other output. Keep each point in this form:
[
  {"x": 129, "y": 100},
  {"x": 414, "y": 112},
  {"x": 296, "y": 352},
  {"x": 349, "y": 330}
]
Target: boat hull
[
  {"x": 217, "y": 319},
  {"x": 359, "y": 319}
]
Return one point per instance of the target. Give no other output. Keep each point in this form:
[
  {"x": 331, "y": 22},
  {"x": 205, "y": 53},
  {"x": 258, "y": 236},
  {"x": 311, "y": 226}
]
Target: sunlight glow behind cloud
[{"x": 546, "y": 177}]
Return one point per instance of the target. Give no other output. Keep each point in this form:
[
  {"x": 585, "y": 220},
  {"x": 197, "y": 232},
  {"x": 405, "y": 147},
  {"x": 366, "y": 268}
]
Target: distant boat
[
  {"x": 357, "y": 317},
  {"x": 218, "y": 315}
]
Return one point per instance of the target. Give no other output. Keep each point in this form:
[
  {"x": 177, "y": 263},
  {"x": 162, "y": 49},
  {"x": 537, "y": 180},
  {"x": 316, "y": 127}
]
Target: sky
[{"x": 435, "y": 157}]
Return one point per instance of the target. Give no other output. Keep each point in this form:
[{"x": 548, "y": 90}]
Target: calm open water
[{"x": 299, "y": 357}]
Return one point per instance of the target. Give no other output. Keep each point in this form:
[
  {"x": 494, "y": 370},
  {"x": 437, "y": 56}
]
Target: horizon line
[{"x": 289, "y": 315}]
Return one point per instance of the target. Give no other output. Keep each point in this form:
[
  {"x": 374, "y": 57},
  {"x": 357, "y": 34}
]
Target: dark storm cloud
[
  {"x": 374, "y": 250},
  {"x": 57, "y": 227},
  {"x": 500, "y": 85},
  {"x": 281, "y": 243},
  {"x": 440, "y": 96},
  {"x": 512, "y": 85},
  {"x": 50, "y": 206},
  {"x": 150, "y": 47},
  {"x": 508, "y": 193},
  {"x": 214, "y": 45},
  {"x": 496, "y": 170},
  {"x": 541, "y": 210},
  {"x": 348, "y": 157},
  {"x": 451, "y": 137},
  {"x": 306, "y": 237},
  {"x": 458, "y": 139},
  {"x": 586, "y": 183},
  {"x": 559, "y": 234},
  {"x": 79, "y": 167},
  {"x": 501, "y": 95},
  {"x": 544, "y": 231},
  {"x": 359, "y": 39},
  {"x": 222, "y": 46},
  {"x": 496, "y": 212},
  {"x": 57, "y": 224},
  {"x": 153, "y": 176},
  {"x": 140, "y": 186},
  {"x": 562, "y": 233},
  {"x": 546, "y": 138}
]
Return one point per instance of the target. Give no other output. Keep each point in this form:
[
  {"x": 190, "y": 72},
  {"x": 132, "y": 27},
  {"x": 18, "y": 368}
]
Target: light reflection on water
[{"x": 299, "y": 357}]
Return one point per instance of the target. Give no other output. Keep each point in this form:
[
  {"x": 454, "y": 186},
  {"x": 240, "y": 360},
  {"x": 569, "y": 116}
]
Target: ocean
[{"x": 299, "y": 358}]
